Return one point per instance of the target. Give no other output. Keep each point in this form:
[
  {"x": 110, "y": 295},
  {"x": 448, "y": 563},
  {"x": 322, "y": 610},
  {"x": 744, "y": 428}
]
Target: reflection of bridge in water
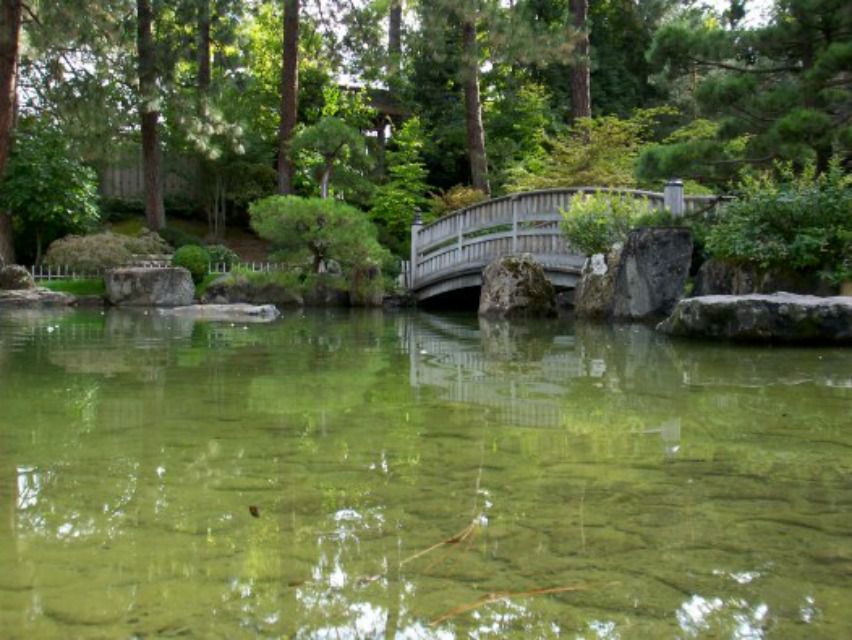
[{"x": 480, "y": 365}]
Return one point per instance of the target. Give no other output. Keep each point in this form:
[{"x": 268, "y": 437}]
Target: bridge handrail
[{"x": 524, "y": 195}]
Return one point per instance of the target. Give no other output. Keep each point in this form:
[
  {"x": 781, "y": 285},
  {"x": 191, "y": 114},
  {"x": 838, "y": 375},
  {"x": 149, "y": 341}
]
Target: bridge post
[
  {"x": 416, "y": 225},
  {"x": 514, "y": 224},
  {"x": 673, "y": 197}
]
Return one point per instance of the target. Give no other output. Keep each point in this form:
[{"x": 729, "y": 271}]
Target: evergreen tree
[{"x": 781, "y": 91}]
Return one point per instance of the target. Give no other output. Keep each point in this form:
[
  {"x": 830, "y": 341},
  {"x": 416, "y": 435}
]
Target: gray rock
[
  {"x": 642, "y": 279},
  {"x": 515, "y": 286},
  {"x": 780, "y": 317},
  {"x": 37, "y": 297},
  {"x": 143, "y": 287},
  {"x": 15, "y": 277},
  {"x": 720, "y": 277},
  {"x": 237, "y": 288},
  {"x": 226, "y": 312},
  {"x": 652, "y": 272},
  {"x": 593, "y": 297}
]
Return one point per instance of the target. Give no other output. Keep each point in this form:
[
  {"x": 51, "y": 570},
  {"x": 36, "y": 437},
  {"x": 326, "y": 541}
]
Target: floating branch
[
  {"x": 461, "y": 536},
  {"x": 503, "y": 595}
]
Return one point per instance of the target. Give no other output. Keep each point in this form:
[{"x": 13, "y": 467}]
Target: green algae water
[{"x": 369, "y": 475}]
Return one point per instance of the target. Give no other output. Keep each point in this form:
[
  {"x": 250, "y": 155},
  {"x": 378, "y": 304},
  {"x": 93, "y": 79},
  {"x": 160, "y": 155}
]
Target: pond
[{"x": 368, "y": 475}]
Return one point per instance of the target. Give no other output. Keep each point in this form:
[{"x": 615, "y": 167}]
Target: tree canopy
[{"x": 319, "y": 94}]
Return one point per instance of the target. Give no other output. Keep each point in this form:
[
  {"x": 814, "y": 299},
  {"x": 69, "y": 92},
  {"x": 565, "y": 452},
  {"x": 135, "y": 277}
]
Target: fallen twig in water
[
  {"x": 461, "y": 536},
  {"x": 502, "y": 595}
]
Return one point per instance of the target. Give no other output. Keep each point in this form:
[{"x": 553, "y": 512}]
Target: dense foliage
[
  {"x": 802, "y": 222},
  {"x": 49, "y": 191}
]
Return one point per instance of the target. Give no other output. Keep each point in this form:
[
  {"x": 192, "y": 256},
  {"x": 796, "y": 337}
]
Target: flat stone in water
[
  {"x": 781, "y": 317},
  {"x": 226, "y": 312}
]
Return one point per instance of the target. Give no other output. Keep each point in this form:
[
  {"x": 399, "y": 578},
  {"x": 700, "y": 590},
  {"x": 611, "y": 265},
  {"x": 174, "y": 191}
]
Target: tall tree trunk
[
  {"x": 394, "y": 37},
  {"x": 326, "y": 177},
  {"x": 149, "y": 107},
  {"x": 473, "y": 109},
  {"x": 204, "y": 48},
  {"x": 10, "y": 28},
  {"x": 581, "y": 98},
  {"x": 289, "y": 96}
]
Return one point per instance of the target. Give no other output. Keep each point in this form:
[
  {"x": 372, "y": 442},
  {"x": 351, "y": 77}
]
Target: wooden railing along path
[{"x": 465, "y": 241}]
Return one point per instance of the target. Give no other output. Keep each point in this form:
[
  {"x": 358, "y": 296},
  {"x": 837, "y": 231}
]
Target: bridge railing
[{"x": 468, "y": 239}]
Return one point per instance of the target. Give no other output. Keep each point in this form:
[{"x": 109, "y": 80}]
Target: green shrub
[
  {"x": 594, "y": 222},
  {"x": 455, "y": 198},
  {"x": 177, "y": 238},
  {"x": 89, "y": 253},
  {"x": 803, "y": 222},
  {"x": 195, "y": 259},
  {"x": 220, "y": 254}
]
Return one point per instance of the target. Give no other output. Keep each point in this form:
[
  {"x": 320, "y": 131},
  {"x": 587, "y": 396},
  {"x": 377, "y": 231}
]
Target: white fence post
[{"x": 673, "y": 197}]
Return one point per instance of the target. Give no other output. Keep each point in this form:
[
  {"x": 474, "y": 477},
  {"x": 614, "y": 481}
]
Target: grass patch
[{"x": 80, "y": 287}]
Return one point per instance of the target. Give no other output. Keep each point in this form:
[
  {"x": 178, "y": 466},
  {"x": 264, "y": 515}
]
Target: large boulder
[
  {"x": 652, "y": 273},
  {"x": 640, "y": 280},
  {"x": 593, "y": 297},
  {"x": 37, "y": 297},
  {"x": 234, "y": 288},
  {"x": 779, "y": 317},
  {"x": 720, "y": 277},
  {"x": 14, "y": 277},
  {"x": 144, "y": 287},
  {"x": 515, "y": 286}
]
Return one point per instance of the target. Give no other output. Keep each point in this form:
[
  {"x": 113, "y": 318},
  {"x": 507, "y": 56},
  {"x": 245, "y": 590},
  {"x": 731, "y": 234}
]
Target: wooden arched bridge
[{"x": 450, "y": 253}]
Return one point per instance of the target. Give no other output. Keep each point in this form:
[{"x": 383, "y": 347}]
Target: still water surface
[{"x": 417, "y": 476}]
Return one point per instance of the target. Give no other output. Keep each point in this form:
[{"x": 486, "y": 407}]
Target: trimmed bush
[
  {"x": 220, "y": 254},
  {"x": 147, "y": 243},
  {"x": 195, "y": 259},
  {"x": 89, "y": 253}
]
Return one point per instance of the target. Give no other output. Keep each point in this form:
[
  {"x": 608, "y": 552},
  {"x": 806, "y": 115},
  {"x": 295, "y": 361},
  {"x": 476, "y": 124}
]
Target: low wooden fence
[{"x": 254, "y": 267}]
